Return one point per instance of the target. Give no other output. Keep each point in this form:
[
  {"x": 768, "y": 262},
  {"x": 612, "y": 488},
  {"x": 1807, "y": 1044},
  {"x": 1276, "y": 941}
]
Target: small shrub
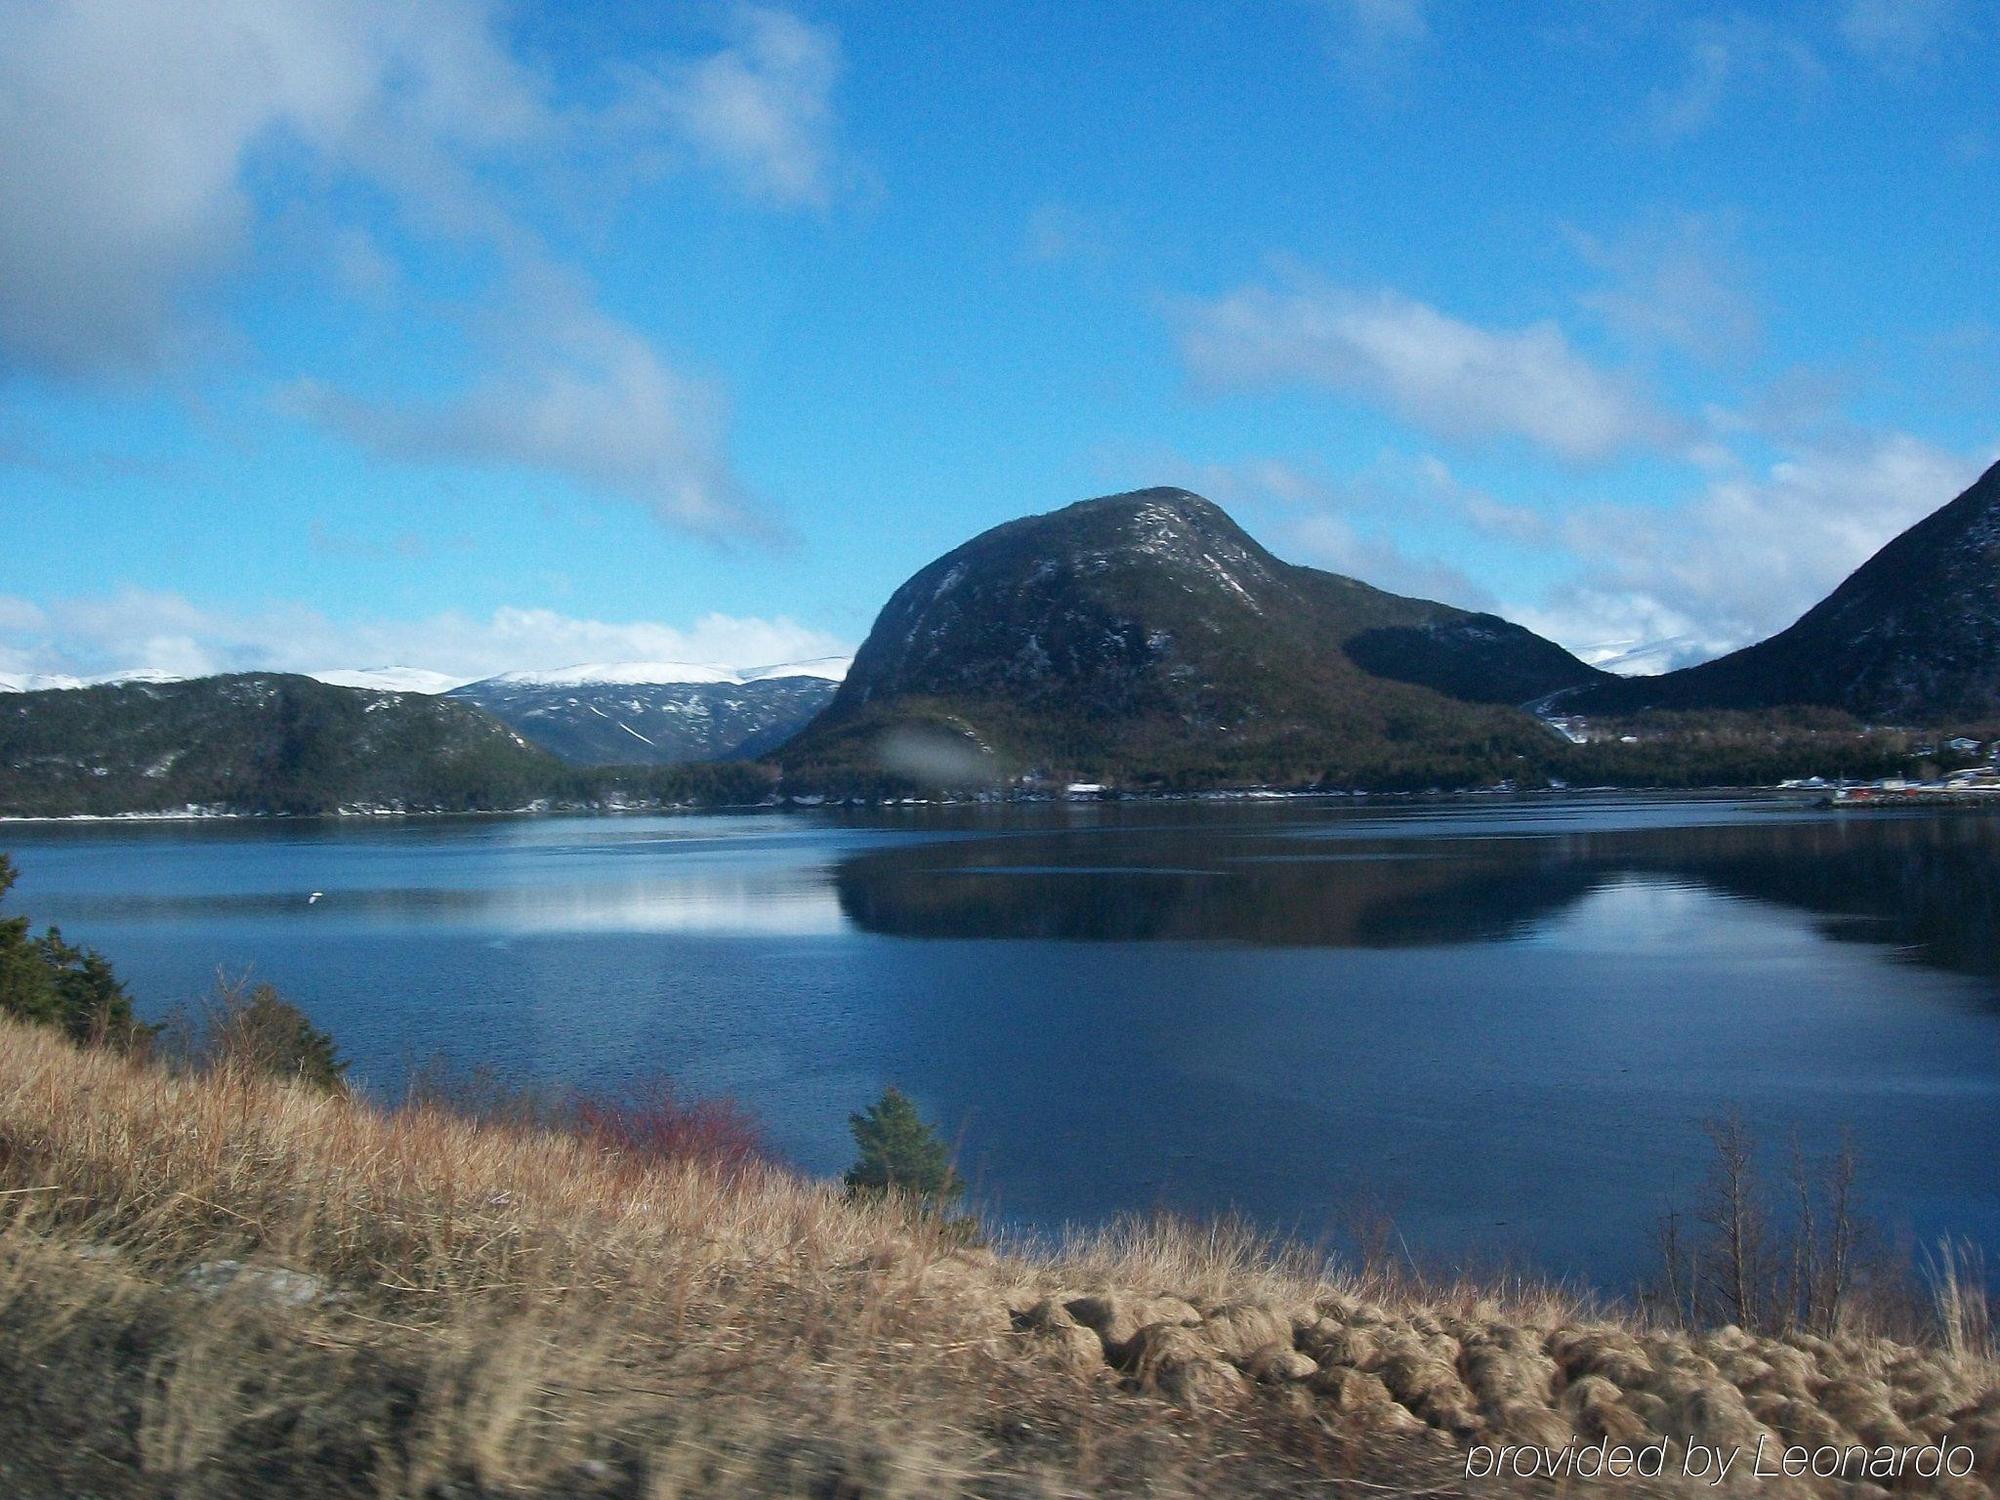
[
  {"x": 1965, "y": 1306},
  {"x": 481, "y": 1093},
  {"x": 651, "y": 1123},
  {"x": 253, "y": 1028}
]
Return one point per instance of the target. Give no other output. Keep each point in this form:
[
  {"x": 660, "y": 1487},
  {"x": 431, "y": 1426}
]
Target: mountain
[
  {"x": 257, "y": 742},
  {"x": 1912, "y": 636},
  {"x": 272, "y": 743},
  {"x": 659, "y": 713},
  {"x": 1147, "y": 637}
]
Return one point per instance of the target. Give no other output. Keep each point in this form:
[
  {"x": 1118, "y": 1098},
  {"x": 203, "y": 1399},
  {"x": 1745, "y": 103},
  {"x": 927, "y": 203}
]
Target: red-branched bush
[{"x": 650, "y": 1123}]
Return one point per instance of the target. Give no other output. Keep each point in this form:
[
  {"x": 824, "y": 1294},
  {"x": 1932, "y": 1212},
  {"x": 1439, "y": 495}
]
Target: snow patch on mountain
[
  {"x": 826, "y": 668},
  {"x": 1637, "y": 658},
  {"x": 42, "y": 682},
  {"x": 391, "y": 679},
  {"x": 664, "y": 673}
]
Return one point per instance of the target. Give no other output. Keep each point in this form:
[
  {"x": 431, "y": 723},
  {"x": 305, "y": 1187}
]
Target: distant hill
[
  {"x": 1147, "y": 637},
  {"x": 256, "y": 742},
  {"x": 1912, "y": 636},
  {"x": 659, "y": 713},
  {"x": 273, "y": 743}
]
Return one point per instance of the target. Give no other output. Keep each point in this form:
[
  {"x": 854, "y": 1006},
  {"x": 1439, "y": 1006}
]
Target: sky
[{"x": 477, "y": 336}]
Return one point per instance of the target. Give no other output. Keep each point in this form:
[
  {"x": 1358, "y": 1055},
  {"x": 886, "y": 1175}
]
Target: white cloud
[
  {"x": 141, "y": 628},
  {"x": 575, "y": 395},
  {"x": 1058, "y": 232},
  {"x": 1375, "y": 40},
  {"x": 1674, "y": 281},
  {"x": 1451, "y": 377},
  {"x": 1726, "y": 58},
  {"x": 1347, "y": 526},
  {"x": 760, "y": 111},
  {"x": 1898, "y": 34},
  {"x": 1752, "y": 551},
  {"x": 130, "y": 130},
  {"x": 126, "y": 128}
]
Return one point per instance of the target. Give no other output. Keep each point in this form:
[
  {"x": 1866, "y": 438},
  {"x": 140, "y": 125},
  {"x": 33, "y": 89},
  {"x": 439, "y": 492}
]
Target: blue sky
[{"x": 476, "y": 336}]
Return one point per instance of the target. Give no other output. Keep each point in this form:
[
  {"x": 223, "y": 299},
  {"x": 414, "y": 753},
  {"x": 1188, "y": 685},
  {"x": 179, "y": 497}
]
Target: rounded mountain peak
[
  {"x": 1159, "y": 505},
  {"x": 1161, "y": 522}
]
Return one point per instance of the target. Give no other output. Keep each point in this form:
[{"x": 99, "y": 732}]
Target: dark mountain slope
[
  {"x": 257, "y": 742},
  {"x": 1913, "y": 636},
  {"x": 1147, "y": 636},
  {"x": 653, "y": 723}
]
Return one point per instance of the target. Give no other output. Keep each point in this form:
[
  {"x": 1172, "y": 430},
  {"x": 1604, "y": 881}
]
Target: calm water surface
[{"x": 1502, "y": 1023}]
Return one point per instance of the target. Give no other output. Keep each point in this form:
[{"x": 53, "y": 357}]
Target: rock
[
  {"x": 1537, "y": 1426},
  {"x": 1117, "y": 1317},
  {"x": 1332, "y": 1343},
  {"x": 1803, "y": 1423},
  {"x": 1503, "y": 1371},
  {"x": 1715, "y": 1414},
  {"x": 1415, "y": 1375},
  {"x": 1202, "y": 1384},
  {"x": 986, "y": 1314},
  {"x": 1159, "y": 1344},
  {"x": 1277, "y": 1364},
  {"x": 1240, "y": 1329},
  {"x": 1600, "y": 1413},
  {"x": 1178, "y": 1364},
  {"x": 1074, "y": 1346},
  {"x": 1045, "y": 1316},
  {"x": 272, "y": 1286},
  {"x": 1612, "y": 1353},
  {"x": 1348, "y": 1389},
  {"x": 1363, "y": 1400},
  {"x": 1080, "y": 1349},
  {"x": 1981, "y": 1433}
]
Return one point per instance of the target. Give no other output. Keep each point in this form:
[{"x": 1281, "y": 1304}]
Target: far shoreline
[{"x": 1804, "y": 797}]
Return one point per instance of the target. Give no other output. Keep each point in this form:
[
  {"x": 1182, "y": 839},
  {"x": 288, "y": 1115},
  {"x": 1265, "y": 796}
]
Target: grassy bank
[{"x": 424, "y": 1305}]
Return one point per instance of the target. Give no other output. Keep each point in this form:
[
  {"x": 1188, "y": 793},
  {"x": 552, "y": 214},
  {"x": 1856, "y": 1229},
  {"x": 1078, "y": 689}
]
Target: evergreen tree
[
  {"x": 92, "y": 1004},
  {"x": 256, "y": 1028},
  {"x": 54, "y": 983},
  {"x": 27, "y": 990},
  {"x": 900, "y": 1152}
]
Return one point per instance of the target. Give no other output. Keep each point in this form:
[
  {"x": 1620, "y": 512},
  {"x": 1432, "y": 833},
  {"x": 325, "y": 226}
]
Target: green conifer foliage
[
  {"x": 54, "y": 983},
  {"x": 901, "y": 1153},
  {"x": 256, "y": 1028}
]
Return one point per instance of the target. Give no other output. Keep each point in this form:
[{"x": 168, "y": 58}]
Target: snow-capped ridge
[
  {"x": 615, "y": 674},
  {"x": 422, "y": 680},
  {"x": 43, "y": 682},
  {"x": 391, "y": 679},
  {"x": 828, "y": 668},
  {"x": 662, "y": 673}
]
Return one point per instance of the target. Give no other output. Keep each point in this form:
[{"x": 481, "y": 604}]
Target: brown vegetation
[{"x": 226, "y": 1284}]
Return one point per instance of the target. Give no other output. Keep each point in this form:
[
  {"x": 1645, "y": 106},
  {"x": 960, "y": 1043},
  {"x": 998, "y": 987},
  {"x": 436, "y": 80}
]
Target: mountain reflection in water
[
  {"x": 1503, "y": 1020},
  {"x": 1928, "y": 887}
]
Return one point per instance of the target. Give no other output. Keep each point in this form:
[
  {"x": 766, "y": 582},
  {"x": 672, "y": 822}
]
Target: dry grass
[{"x": 511, "y": 1311}]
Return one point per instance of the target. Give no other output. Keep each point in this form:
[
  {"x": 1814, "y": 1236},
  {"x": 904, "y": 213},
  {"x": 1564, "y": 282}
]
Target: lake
[{"x": 1500, "y": 1022}]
